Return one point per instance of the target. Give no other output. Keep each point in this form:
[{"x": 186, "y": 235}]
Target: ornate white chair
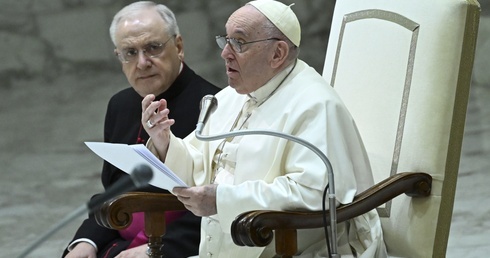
[{"x": 403, "y": 68}]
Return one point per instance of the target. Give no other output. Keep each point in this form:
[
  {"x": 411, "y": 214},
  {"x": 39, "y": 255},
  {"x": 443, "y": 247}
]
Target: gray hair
[{"x": 166, "y": 14}]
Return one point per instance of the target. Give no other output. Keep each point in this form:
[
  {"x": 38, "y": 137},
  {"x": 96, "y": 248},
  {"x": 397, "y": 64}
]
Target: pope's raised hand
[{"x": 154, "y": 118}]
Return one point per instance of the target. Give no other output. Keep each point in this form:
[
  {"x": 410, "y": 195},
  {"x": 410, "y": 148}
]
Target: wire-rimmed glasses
[
  {"x": 150, "y": 50},
  {"x": 235, "y": 44}
]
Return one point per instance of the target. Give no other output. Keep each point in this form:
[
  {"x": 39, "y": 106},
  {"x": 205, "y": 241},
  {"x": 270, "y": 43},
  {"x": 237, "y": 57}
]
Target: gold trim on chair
[{"x": 414, "y": 28}]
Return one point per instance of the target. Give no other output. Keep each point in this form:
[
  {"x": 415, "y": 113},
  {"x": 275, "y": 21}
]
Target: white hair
[{"x": 129, "y": 10}]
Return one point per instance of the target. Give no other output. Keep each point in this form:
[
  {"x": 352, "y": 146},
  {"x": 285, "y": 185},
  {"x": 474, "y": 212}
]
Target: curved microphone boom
[
  {"x": 209, "y": 108},
  {"x": 139, "y": 177}
]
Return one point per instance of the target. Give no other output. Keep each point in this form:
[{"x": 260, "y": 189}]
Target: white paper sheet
[{"x": 127, "y": 157}]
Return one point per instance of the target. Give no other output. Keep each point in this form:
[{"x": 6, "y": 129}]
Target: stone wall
[
  {"x": 49, "y": 38},
  {"x": 44, "y": 39},
  {"x": 57, "y": 72}
]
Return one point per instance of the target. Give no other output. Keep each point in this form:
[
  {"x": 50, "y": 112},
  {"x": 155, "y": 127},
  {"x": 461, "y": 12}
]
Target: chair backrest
[{"x": 403, "y": 68}]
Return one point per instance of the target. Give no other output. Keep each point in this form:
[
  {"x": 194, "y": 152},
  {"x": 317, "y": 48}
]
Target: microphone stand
[
  {"x": 73, "y": 215},
  {"x": 323, "y": 157},
  {"x": 140, "y": 176}
]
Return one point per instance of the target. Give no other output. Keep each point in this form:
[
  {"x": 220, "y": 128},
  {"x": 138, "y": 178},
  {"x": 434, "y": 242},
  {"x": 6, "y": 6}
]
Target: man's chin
[
  {"x": 145, "y": 89},
  {"x": 238, "y": 89}
]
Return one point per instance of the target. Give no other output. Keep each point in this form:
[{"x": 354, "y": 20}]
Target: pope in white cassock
[{"x": 269, "y": 89}]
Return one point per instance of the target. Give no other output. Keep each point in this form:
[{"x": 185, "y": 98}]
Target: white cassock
[{"x": 264, "y": 172}]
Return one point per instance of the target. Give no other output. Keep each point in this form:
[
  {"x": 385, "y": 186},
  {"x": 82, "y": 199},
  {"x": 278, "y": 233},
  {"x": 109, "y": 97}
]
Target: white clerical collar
[{"x": 268, "y": 89}]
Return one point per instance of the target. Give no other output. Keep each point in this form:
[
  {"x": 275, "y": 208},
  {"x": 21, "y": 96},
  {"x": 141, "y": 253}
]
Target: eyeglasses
[
  {"x": 235, "y": 44},
  {"x": 151, "y": 50}
]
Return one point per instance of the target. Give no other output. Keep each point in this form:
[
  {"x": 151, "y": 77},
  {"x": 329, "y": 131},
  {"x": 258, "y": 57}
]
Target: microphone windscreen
[
  {"x": 208, "y": 104},
  {"x": 141, "y": 175}
]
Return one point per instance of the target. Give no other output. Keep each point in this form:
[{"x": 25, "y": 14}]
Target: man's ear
[
  {"x": 281, "y": 52},
  {"x": 179, "y": 43}
]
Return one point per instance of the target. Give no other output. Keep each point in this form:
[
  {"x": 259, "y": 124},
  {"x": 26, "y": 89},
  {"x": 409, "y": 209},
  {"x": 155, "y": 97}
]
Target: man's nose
[
  {"x": 143, "y": 60},
  {"x": 227, "y": 51}
]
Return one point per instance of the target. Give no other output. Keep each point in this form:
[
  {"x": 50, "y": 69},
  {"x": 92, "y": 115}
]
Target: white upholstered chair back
[{"x": 403, "y": 68}]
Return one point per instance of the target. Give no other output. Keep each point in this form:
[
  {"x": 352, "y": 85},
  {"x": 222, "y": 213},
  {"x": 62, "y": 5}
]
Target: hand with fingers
[
  {"x": 200, "y": 200},
  {"x": 154, "y": 118}
]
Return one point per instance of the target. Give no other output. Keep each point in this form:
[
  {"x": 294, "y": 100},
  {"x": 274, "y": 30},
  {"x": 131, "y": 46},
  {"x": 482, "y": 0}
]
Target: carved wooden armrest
[
  {"x": 117, "y": 214},
  {"x": 255, "y": 228}
]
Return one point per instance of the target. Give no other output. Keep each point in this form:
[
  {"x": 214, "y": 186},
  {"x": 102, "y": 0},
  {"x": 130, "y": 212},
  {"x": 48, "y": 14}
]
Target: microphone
[
  {"x": 139, "y": 177},
  {"x": 208, "y": 105},
  {"x": 318, "y": 152}
]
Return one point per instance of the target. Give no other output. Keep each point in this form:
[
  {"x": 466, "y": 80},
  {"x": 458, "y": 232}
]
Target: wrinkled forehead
[{"x": 246, "y": 21}]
